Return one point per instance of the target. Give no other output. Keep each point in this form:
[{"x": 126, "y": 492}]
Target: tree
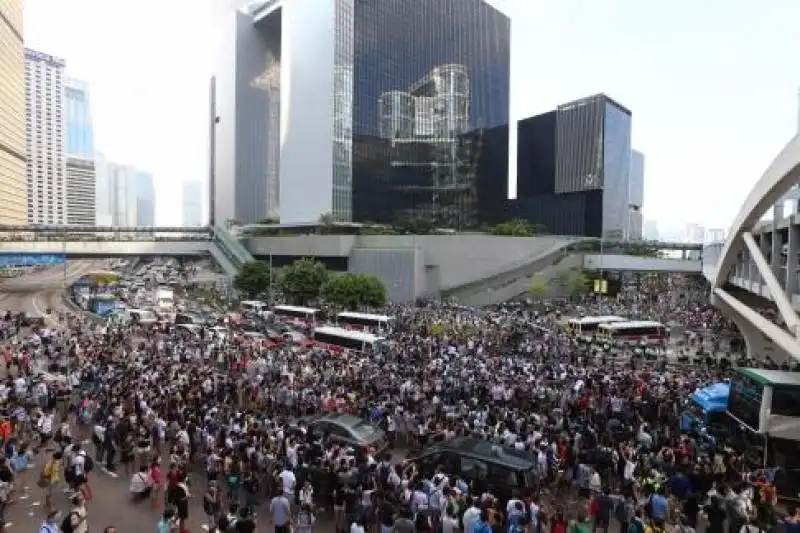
[
  {"x": 352, "y": 291},
  {"x": 413, "y": 226},
  {"x": 253, "y": 279},
  {"x": 302, "y": 280},
  {"x": 514, "y": 228},
  {"x": 538, "y": 287},
  {"x": 578, "y": 283}
]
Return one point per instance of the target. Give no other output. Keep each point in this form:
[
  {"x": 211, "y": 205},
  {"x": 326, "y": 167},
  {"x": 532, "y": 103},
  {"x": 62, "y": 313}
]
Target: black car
[
  {"x": 350, "y": 430},
  {"x": 501, "y": 470}
]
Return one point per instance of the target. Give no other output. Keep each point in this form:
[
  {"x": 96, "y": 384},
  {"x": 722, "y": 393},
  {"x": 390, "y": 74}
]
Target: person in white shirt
[
  {"x": 471, "y": 516},
  {"x": 288, "y": 482},
  {"x": 45, "y": 427}
]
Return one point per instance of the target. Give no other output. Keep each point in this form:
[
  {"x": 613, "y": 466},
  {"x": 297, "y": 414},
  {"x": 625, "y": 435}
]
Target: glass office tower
[
  {"x": 370, "y": 110},
  {"x": 431, "y": 79}
]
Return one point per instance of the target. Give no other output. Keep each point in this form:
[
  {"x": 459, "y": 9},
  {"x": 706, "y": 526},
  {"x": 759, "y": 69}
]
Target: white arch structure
[{"x": 778, "y": 178}]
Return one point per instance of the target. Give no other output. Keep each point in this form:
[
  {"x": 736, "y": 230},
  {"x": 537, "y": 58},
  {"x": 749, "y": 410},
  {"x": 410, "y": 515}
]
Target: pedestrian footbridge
[
  {"x": 621, "y": 262},
  {"x": 762, "y": 258},
  {"x": 216, "y": 242}
]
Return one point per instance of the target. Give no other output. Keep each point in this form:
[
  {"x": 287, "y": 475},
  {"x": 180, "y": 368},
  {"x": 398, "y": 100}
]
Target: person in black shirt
[{"x": 245, "y": 523}]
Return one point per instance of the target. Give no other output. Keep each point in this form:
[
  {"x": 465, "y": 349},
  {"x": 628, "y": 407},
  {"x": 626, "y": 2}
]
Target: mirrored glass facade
[
  {"x": 429, "y": 80},
  {"x": 79, "y": 138},
  {"x": 616, "y": 167}
]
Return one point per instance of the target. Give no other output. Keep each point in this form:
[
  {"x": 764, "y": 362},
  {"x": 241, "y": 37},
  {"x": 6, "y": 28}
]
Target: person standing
[{"x": 281, "y": 511}]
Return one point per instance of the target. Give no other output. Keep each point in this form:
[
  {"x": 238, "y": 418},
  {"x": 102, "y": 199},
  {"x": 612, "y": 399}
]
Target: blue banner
[{"x": 13, "y": 260}]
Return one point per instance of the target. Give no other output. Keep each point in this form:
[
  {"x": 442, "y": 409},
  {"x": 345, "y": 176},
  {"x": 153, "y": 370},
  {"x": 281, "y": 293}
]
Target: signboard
[
  {"x": 601, "y": 286},
  {"x": 19, "y": 260}
]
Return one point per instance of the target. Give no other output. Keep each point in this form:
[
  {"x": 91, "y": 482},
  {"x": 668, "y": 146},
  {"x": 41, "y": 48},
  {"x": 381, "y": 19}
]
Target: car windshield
[{"x": 362, "y": 429}]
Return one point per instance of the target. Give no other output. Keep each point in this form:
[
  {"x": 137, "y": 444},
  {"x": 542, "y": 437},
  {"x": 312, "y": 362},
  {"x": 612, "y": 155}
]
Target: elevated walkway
[{"x": 618, "y": 262}]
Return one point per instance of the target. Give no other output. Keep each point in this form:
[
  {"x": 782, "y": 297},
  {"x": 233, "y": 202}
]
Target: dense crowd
[{"x": 202, "y": 415}]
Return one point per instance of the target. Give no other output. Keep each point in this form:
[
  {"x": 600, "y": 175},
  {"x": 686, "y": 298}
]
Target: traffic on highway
[{"x": 144, "y": 396}]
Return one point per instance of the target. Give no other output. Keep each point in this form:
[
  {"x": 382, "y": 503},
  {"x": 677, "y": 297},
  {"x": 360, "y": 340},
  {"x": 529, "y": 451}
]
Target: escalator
[{"x": 228, "y": 251}]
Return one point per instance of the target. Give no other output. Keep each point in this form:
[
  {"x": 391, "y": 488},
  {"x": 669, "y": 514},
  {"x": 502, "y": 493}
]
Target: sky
[{"x": 713, "y": 85}]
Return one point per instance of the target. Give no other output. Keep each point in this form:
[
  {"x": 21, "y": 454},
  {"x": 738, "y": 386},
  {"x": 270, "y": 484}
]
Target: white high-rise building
[
  {"x": 193, "y": 204},
  {"x": 44, "y": 116},
  {"x": 695, "y": 233},
  {"x": 79, "y": 148}
]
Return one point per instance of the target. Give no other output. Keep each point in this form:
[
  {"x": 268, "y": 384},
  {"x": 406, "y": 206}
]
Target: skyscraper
[
  {"x": 130, "y": 193},
  {"x": 573, "y": 169},
  {"x": 192, "y": 204},
  {"x": 635, "y": 195},
  {"x": 389, "y": 125},
  {"x": 13, "y": 154},
  {"x": 44, "y": 113},
  {"x": 144, "y": 199},
  {"x": 79, "y": 145}
]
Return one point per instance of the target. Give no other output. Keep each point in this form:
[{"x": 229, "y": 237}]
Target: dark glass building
[
  {"x": 573, "y": 169},
  {"x": 430, "y": 110}
]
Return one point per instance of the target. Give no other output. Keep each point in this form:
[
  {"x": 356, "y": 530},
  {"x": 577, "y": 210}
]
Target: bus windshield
[{"x": 744, "y": 403}]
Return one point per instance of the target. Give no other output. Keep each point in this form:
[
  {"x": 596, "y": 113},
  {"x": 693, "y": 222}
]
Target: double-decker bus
[
  {"x": 291, "y": 312},
  {"x": 341, "y": 339},
  {"x": 638, "y": 332},
  {"x": 585, "y": 327},
  {"x": 365, "y": 321},
  {"x": 764, "y": 409}
]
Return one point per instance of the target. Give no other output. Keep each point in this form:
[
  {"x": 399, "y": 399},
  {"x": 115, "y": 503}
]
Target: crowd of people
[{"x": 185, "y": 416}]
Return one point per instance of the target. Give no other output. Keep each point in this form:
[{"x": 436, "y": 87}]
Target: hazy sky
[{"x": 712, "y": 84}]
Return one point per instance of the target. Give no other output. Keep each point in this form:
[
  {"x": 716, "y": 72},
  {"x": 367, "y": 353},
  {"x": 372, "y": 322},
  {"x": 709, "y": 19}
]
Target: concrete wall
[
  {"x": 108, "y": 248},
  {"x": 444, "y": 262},
  {"x": 401, "y": 270},
  {"x": 303, "y": 245},
  {"x": 631, "y": 262}
]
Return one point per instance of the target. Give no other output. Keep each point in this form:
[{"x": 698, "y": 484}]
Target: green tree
[
  {"x": 514, "y": 228},
  {"x": 253, "y": 279},
  {"x": 578, "y": 283},
  {"x": 538, "y": 287},
  {"x": 303, "y": 280},
  {"x": 413, "y": 226},
  {"x": 352, "y": 291}
]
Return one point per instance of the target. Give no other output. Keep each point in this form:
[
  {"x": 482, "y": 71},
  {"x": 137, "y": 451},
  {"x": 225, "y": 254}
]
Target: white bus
[
  {"x": 339, "y": 338},
  {"x": 365, "y": 320},
  {"x": 638, "y": 332},
  {"x": 764, "y": 408},
  {"x": 587, "y": 326},
  {"x": 307, "y": 314},
  {"x": 255, "y": 306}
]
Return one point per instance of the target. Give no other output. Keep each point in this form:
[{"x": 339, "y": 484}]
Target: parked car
[
  {"x": 350, "y": 430},
  {"x": 504, "y": 471}
]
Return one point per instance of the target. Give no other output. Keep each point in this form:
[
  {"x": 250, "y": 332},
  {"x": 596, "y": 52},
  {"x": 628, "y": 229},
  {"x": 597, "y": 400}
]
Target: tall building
[
  {"x": 367, "y": 110},
  {"x": 650, "y": 230},
  {"x": 635, "y": 195},
  {"x": 144, "y": 199},
  {"x": 695, "y": 233},
  {"x": 192, "y": 204},
  {"x": 573, "y": 169},
  {"x": 44, "y": 113},
  {"x": 103, "y": 196},
  {"x": 715, "y": 235},
  {"x": 125, "y": 195},
  {"x": 13, "y": 153},
  {"x": 79, "y": 147}
]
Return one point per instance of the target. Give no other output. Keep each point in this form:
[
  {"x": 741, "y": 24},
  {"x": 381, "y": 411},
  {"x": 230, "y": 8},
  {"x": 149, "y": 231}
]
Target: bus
[
  {"x": 764, "y": 411},
  {"x": 255, "y": 306},
  {"x": 365, "y": 320},
  {"x": 291, "y": 312},
  {"x": 340, "y": 339},
  {"x": 638, "y": 332},
  {"x": 586, "y": 327}
]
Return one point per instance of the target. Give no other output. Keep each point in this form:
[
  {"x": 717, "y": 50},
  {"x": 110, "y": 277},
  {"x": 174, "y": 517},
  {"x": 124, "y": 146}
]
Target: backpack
[
  {"x": 635, "y": 527},
  {"x": 66, "y": 523},
  {"x": 88, "y": 463}
]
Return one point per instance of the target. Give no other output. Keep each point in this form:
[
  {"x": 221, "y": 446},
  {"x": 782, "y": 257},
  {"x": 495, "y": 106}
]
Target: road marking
[{"x": 109, "y": 472}]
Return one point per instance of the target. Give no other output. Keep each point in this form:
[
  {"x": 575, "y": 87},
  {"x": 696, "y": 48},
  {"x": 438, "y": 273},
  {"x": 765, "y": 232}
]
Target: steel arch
[
  {"x": 778, "y": 178},
  {"x": 783, "y": 172}
]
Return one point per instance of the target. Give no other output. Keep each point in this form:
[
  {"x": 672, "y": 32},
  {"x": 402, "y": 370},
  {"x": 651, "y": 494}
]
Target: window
[
  {"x": 502, "y": 476},
  {"x": 473, "y": 469},
  {"x": 786, "y": 402}
]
